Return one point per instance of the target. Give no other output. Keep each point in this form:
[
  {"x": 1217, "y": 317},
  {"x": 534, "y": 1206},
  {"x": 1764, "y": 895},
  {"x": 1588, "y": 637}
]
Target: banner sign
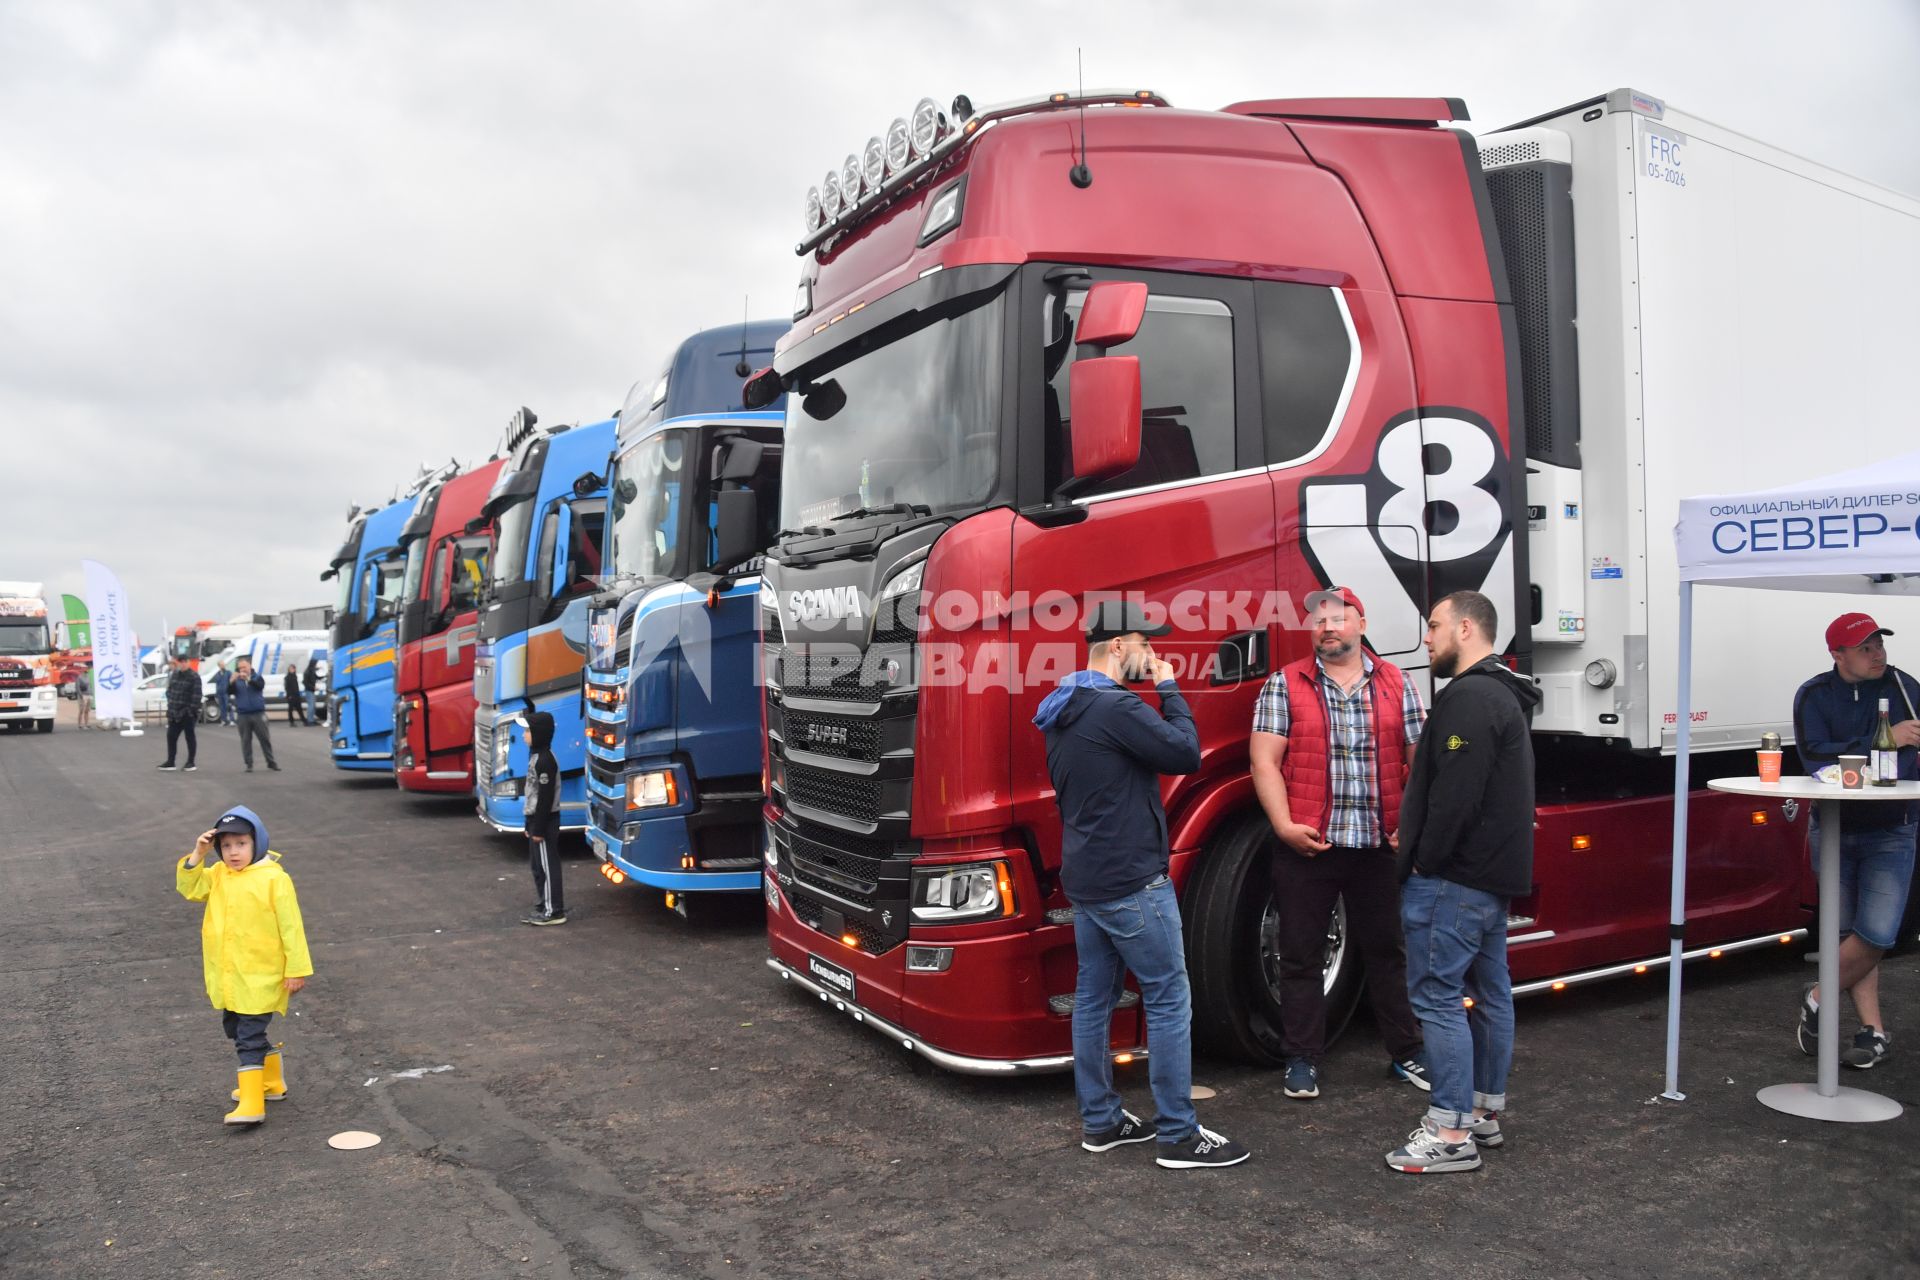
[{"x": 114, "y": 669}]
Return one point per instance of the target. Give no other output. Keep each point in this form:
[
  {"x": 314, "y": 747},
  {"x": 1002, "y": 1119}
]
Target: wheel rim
[{"x": 1270, "y": 946}]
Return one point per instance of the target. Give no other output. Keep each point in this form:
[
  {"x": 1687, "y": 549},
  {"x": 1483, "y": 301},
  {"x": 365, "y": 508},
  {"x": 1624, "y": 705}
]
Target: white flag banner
[{"x": 115, "y": 669}]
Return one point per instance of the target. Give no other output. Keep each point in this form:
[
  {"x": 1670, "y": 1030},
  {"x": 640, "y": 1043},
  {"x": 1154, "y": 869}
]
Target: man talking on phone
[{"x": 1106, "y": 751}]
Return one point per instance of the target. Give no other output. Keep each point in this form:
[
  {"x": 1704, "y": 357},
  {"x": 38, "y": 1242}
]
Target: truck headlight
[
  {"x": 656, "y": 789},
  {"x": 908, "y": 579},
  {"x": 976, "y": 891}
]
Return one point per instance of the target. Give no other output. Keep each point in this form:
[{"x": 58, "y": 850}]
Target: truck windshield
[
  {"x": 913, "y": 424},
  {"x": 511, "y": 528},
  {"x": 31, "y": 638},
  {"x": 644, "y": 506},
  {"x": 343, "y": 601}
]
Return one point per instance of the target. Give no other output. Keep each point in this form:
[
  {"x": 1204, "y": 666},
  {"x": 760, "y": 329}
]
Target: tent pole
[{"x": 1682, "y": 785}]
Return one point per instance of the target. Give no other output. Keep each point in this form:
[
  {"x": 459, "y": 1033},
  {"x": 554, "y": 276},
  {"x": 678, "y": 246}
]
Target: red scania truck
[
  {"x": 1216, "y": 360},
  {"x": 446, "y": 541}
]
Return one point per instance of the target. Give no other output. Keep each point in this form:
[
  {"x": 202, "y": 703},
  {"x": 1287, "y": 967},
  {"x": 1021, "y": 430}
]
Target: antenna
[
  {"x": 741, "y": 368},
  {"x": 1080, "y": 175}
]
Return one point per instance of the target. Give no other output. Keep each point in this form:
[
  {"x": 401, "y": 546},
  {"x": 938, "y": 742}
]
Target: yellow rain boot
[
  {"x": 276, "y": 1078},
  {"x": 253, "y": 1098}
]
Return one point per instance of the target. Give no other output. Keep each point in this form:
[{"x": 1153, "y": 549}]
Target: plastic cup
[
  {"x": 1853, "y": 772},
  {"x": 1769, "y": 765}
]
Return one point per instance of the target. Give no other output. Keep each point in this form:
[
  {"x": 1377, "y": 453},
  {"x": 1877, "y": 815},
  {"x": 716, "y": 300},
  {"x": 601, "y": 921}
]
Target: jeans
[
  {"x": 1304, "y": 891},
  {"x": 253, "y": 724},
  {"x": 1456, "y": 947},
  {"x": 1876, "y": 873},
  {"x": 248, "y": 1031},
  {"x": 175, "y": 728},
  {"x": 1140, "y": 932}
]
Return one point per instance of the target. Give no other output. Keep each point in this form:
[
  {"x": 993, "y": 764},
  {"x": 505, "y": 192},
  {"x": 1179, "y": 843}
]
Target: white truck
[
  {"x": 1699, "y": 312},
  {"x": 27, "y": 691}
]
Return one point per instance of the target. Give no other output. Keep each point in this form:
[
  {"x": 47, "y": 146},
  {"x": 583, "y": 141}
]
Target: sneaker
[
  {"x": 1425, "y": 1152},
  {"x": 1204, "y": 1150},
  {"x": 1414, "y": 1071},
  {"x": 168, "y": 767},
  {"x": 546, "y": 917},
  {"x": 1808, "y": 1032},
  {"x": 1486, "y": 1130},
  {"x": 1869, "y": 1048},
  {"x": 249, "y": 768},
  {"x": 1303, "y": 1079},
  {"x": 192, "y": 768},
  {"x": 274, "y": 767},
  {"x": 1130, "y": 1129}
]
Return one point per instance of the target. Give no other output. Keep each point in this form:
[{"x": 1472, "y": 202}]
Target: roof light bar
[{"x": 914, "y": 146}]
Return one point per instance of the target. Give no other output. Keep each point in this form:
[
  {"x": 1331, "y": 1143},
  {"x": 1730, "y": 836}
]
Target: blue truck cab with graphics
[
  {"x": 370, "y": 566},
  {"x": 673, "y": 700},
  {"x": 547, "y": 508}
]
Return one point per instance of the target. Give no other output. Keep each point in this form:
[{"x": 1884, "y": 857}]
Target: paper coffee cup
[
  {"x": 1853, "y": 772},
  {"x": 1769, "y": 765}
]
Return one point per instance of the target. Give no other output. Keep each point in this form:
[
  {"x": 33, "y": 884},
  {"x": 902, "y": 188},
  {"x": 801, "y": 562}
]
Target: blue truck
[
  {"x": 673, "y": 701},
  {"x": 370, "y": 566},
  {"x": 548, "y": 508}
]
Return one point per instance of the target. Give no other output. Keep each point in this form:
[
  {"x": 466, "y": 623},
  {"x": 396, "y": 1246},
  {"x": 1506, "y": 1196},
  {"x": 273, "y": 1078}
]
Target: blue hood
[
  {"x": 259, "y": 828},
  {"x": 1056, "y": 707}
]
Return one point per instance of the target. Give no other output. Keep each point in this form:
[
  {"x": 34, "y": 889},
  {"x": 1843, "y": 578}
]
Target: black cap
[
  {"x": 1112, "y": 619},
  {"x": 233, "y": 825}
]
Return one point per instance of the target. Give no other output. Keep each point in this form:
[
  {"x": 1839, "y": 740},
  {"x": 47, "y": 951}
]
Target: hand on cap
[{"x": 201, "y": 848}]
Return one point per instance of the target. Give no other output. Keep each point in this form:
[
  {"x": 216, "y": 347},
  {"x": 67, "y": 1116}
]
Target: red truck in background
[
  {"x": 1216, "y": 360},
  {"x": 446, "y": 542}
]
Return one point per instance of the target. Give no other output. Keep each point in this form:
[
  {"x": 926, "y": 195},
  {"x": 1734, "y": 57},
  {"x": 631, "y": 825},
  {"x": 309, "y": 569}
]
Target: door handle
[{"x": 1242, "y": 656}]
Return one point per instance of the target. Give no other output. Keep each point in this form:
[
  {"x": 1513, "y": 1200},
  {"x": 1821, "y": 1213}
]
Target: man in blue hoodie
[{"x": 1106, "y": 750}]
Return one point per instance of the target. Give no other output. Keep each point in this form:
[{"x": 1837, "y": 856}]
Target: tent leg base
[{"x": 1674, "y": 1095}]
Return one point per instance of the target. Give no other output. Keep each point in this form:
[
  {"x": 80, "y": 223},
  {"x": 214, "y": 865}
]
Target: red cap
[
  {"x": 1342, "y": 594},
  {"x": 1850, "y": 629}
]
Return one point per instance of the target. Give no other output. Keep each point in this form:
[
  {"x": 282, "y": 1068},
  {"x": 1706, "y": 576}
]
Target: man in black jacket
[
  {"x": 1106, "y": 750},
  {"x": 183, "y": 709},
  {"x": 542, "y": 822},
  {"x": 290, "y": 686},
  {"x": 1466, "y": 840}
]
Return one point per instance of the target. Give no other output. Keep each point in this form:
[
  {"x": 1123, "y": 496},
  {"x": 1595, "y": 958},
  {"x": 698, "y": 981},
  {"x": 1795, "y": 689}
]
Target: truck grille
[
  {"x": 844, "y": 737},
  {"x": 897, "y": 623},
  {"x": 834, "y": 675},
  {"x": 482, "y": 747},
  {"x": 836, "y": 793},
  {"x": 605, "y": 772},
  {"x": 852, "y": 873},
  {"x": 812, "y": 913}
]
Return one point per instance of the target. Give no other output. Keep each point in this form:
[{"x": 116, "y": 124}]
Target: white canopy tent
[{"x": 1856, "y": 533}]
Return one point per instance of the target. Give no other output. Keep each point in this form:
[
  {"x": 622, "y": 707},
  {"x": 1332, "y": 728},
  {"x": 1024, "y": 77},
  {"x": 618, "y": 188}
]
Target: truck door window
[
  {"x": 439, "y": 579},
  {"x": 469, "y": 571},
  {"x": 1308, "y": 364},
  {"x": 1187, "y": 428},
  {"x": 583, "y": 545},
  {"x": 549, "y": 534}
]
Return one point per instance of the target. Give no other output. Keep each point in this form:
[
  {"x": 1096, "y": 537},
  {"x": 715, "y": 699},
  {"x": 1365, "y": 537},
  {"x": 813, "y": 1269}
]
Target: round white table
[{"x": 1825, "y": 1100}]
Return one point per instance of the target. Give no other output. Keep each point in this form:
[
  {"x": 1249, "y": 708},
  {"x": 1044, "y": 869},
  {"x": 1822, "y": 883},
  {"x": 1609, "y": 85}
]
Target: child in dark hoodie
[
  {"x": 253, "y": 947},
  {"x": 542, "y": 821}
]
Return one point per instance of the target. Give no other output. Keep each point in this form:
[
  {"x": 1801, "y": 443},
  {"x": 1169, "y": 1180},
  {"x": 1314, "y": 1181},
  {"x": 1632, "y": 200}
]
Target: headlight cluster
[
  {"x": 972, "y": 891},
  {"x": 909, "y": 141},
  {"x": 655, "y": 789}
]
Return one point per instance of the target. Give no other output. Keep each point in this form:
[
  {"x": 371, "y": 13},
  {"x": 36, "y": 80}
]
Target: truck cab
[
  {"x": 548, "y": 510},
  {"x": 27, "y": 692},
  {"x": 447, "y": 542},
  {"x": 370, "y": 566},
  {"x": 673, "y": 709}
]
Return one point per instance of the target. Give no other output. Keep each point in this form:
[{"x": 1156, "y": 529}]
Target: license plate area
[{"x": 831, "y": 976}]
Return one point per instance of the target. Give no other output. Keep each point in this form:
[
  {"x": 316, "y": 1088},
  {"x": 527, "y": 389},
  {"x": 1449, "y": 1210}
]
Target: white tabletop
[{"x": 1804, "y": 788}]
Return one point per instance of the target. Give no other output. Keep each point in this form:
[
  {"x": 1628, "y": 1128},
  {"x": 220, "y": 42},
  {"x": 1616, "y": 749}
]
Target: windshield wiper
[{"x": 890, "y": 509}]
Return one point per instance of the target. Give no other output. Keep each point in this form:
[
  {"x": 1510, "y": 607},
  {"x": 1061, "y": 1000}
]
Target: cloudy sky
[{"x": 260, "y": 261}]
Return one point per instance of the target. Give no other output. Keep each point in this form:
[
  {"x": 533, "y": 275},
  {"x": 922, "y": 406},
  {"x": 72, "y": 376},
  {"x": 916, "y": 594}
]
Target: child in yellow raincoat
[{"x": 252, "y": 944}]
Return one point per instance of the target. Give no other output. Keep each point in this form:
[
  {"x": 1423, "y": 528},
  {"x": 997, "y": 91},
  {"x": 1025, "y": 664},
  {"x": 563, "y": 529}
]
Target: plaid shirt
[{"x": 1353, "y": 814}]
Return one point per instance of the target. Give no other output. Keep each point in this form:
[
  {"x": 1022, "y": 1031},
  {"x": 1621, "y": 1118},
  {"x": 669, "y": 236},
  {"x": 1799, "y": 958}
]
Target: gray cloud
[{"x": 259, "y": 261}]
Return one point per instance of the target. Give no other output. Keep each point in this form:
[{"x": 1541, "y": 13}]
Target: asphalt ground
[{"x": 635, "y": 1094}]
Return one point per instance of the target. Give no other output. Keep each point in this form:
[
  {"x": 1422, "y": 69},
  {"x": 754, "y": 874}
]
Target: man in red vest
[{"x": 1333, "y": 737}]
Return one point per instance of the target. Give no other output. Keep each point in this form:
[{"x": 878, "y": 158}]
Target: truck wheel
[
  {"x": 1233, "y": 959},
  {"x": 210, "y": 712}
]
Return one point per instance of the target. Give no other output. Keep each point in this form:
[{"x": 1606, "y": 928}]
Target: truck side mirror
[
  {"x": 738, "y": 527},
  {"x": 1104, "y": 396},
  {"x": 1111, "y": 313},
  {"x": 761, "y": 389},
  {"x": 741, "y": 461}
]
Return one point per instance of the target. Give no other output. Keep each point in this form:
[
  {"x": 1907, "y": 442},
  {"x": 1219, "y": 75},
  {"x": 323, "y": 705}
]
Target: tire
[
  {"x": 210, "y": 712},
  {"x": 1228, "y": 914}
]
